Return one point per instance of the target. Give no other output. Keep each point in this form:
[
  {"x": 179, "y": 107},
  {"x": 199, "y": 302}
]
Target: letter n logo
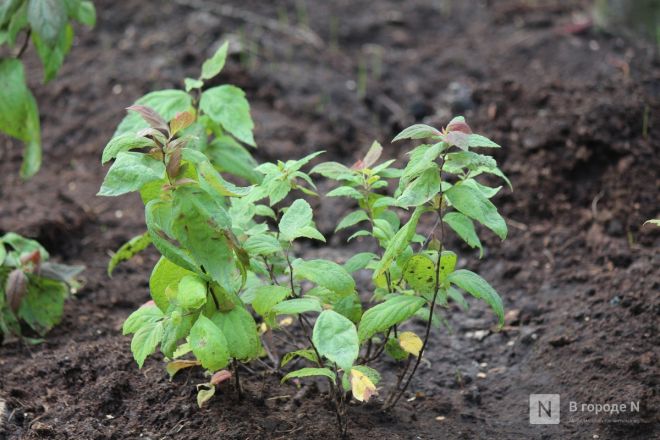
[{"x": 544, "y": 409}]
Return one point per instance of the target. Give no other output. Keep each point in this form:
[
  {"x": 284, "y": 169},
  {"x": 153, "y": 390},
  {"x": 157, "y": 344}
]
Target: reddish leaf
[
  {"x": 373, "y": 154},
  {"x": 174, "y": 164},
  {"x": 151, "y": 117},
  {"x": 459, "y": 124},
  {"x": 15, "y": 288},
  {"x": 220, "y": 376},
  {"x": 359, "y": 165},
  {"x": 181, "y": 121},
  {"x": 33, "y": 257}
]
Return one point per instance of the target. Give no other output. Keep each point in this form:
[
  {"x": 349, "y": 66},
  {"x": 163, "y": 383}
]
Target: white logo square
[{"x": 544, "y": 409}]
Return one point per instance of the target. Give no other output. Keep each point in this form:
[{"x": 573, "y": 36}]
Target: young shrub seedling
[
  {"x": 227, "y": 279},
  {"x": 32, "y": 290},
  {"x": 48, "y": 24},
  {"x": 213, "y": 248},
  {"x": 438, "y": 180}
]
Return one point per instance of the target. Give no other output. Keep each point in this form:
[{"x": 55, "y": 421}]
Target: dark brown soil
[{"x": 579, "y": 274}]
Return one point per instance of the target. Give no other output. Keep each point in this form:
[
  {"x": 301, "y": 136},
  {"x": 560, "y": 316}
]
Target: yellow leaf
[
  {"x": 204, "y": 393},
  {"x": 175, "y": 366},
  {"x": 363, "y": 388},
  {"x": 286, "y": 321},
  {"x": 411, "y": 343}
]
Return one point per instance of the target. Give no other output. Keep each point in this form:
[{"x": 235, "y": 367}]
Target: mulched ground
[{"x": 579, "y": 274}]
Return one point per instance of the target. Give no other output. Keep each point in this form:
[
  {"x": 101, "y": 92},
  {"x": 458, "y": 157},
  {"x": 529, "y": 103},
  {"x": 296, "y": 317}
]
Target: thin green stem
[{"x": 433, "y": 301}]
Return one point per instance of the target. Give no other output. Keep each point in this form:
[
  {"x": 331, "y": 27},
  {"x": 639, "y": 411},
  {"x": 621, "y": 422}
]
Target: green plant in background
[
  {"x": 48, "y": 24},
  {"x": 32, "y": 290}
]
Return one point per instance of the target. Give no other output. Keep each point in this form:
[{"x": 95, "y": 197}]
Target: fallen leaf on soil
[{"x": 204, "y": 394}]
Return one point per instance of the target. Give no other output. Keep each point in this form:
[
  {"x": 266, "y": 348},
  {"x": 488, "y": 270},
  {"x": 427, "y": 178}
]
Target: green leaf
[
  {"x": 266, "y": 297},
  {"x": 47, "y": 18},
  {"x": 422, "y": 158},
  {"x": 3, "y": 253},
  {"x": 147, "y": 314},
  {"x": 384, "y": 315},
  {"x": 214, "y": 65},
  {"x": 422, "y": 189},
  {"x": 191, "y": 292},
  {"x": 295, "y": 165},
  {"x": 199, "y": 227},
  {"x": 475, "y": 205},
  {"x": 297, "y": 306},
  {"x": 420, "y": 273},
  {"x": 128, "y": 250},
  {"x": 311, "y": 232},
  {"x": 307, "y": 372},
  {"x": 159, "y": 218},
  {"x": 130, "y": 172},
  {"x": 13, "y": 99},
  {"x": 359, "y": 261},
  {"x": 487, "y": 191},
  {"x": 227, "y": 106},
  {"x": 457, "y": 297},
  {"x": 19, "y": 115},
  {"x": 227, "y": 155},
  {"x": 479, "y": 288},
  {"x": 175, "y": 329},
  {"x": 308, "y": 354},
  {"x": 346, "y": 191},
  {"x": 333, "y": 170},
  {"x": 145, "y": 341},
  {"x": 394, "y": 350},
  {"x": 335, "y": 337},
  {"x": 361, "y": 233},
  {"x": 209, "y": 344},
  {"x": 349, "y": 306},
  {"x": 24, "y": 245},
  {"x": 52, "y": 57},
  {"x": 240, "y": 330},
  {"x": 86, "y": 13},
  {"x": 42, "y": 306},
  {"x": 8, "y": 9},
  {"x": 398, "y": 243},
  {"x": 468, "y": 159},
  {"x": 464, "y": 228},
  {"x": 417, "y": 131},
  {"x": 477, "y": 140},
  {"x": 124, "y": 142},
  {"x": 420, "y": 270},
  {"x": 165, "y": 274},
  {"x": 325, "y": 273},
  {"x": 167, "y": 103},
  {"x": 262, "y": 244},
  {"x": 212, "y": 182},
  {"x": 297, "y": 217},
  {"x": 352, "y": 219},
  {"x": 191, "y": 84}
]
